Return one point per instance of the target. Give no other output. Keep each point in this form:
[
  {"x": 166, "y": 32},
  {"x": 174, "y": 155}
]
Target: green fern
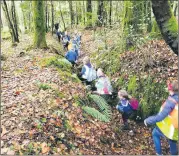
[
  {"x": 95, "y": 113},
  {"x": 102, "y": 104}
]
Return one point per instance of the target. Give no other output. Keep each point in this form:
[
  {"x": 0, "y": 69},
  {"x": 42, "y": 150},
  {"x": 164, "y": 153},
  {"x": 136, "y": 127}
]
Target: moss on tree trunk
[
  {"x": 39, "y": 24},
  {"x": 167, "y": 23}
]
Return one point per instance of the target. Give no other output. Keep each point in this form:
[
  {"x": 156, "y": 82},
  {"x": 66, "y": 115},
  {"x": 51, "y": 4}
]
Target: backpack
[{"x": 134, "y": 103}]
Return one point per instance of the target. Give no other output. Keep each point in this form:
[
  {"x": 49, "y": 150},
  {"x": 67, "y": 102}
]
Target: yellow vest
[{"x": 169, "y": 125}]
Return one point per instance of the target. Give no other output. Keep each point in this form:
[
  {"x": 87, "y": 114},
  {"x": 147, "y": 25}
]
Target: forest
[{"x": 88, "y": 77}]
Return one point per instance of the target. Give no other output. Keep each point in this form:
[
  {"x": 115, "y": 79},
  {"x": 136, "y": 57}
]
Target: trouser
[
  {"x": 157, "y": 134},
  {"x": 65, "y": 45}
]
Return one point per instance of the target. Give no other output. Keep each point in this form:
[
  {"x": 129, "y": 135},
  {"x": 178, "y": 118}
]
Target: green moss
[
  {"x": 172, "y": 26},
  {"x": 39, "y": 24},
  {"x": 46, "y": 62}
]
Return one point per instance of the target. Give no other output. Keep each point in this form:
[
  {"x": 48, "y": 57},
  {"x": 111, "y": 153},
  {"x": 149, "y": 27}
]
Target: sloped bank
[{"x": 142, "y": 72}]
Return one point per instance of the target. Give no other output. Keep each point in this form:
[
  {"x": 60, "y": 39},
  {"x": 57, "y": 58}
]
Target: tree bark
[
  {"x": 167, "y": 23},
  {"x": 10, "y": 24},
  {"x": 89, "y": 13},
  {"x": 46, "y": 16},
  {"x": 39, "y": 24},
  {"x": 100, "y": 13},
  {"x": 52, "y": 11},
  {"x": 84, "y": 19},
  {"x": 71, "y": 13},
  {"x": 30, "y": 16},
  {"x": 62, "y": 20},
  {"x": 110, "y": 14},
  {"x": 14, "y": 19}
]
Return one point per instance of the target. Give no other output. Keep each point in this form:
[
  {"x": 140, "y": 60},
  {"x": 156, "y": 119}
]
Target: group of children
[{"x": 165, "y": 120}]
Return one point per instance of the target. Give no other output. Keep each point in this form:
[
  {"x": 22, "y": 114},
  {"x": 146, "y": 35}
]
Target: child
[
  {"x": 124, "y": 107},
  {"x": 103, "y": 84},
  {"x": 75, "y": 45},
  {"x": 71, "y": 56},
  {"x": 166, "y": 121},
  {"x": 88, "y": 73},
  {"x": 66, "y": 40}
]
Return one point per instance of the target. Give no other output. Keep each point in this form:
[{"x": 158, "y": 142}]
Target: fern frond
[
  {"x": 102, "y": 104},
  {"x": 95, "y": 113}
]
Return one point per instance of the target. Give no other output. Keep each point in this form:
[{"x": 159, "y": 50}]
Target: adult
[
  {"x": 166, "y": 121},
  {"x": 58, "y": 33},
  {"x": 88, "y": 73}
]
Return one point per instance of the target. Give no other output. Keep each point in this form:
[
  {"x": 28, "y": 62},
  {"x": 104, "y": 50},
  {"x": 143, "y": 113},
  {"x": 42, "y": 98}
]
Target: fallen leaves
[
  {"x": 3, "y": 131},
  {"x": 45, "y": 148}
]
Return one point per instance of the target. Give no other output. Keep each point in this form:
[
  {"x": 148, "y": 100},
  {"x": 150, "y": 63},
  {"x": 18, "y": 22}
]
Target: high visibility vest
[{"x": 169, "y": 125}]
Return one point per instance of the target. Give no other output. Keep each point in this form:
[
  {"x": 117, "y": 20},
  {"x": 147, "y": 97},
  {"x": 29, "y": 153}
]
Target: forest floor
[{"x": 37, "y": 121}]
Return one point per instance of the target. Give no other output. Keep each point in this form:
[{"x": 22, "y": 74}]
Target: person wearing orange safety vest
[{"x": 166, "y": 121}]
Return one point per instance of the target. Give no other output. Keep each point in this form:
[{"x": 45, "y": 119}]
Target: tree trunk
[
  {"x": 30, "y": 16},
  {"x": 14, "y": 19},
  {"x": 71, "y": 13},
  {"x": 100, "y": 13},
  {"x": 77, "y": 13},
  {"x": 46, "y": 16},
  {"x": 84, "y": 13},
  {"x": 48, "y": 20},
  {"x": 62, "y": 20},
  {"x": 39, "y": 24},
  {"x": 110, "y": 14},
  {"x": 9, "y": 21},
  {"x": 89, "y": 13},
  {"x": 175, "y": 9},
  {"x": 149, "y": 15},
  {"x": 167, "y": 23},
  {"x": 52, "y": 11},
  {"x": 1, "y": 23}
]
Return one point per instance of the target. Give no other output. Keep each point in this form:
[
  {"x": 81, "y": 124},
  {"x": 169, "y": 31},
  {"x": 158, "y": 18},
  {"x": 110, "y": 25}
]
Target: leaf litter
[{"x": 38, "y": 122}]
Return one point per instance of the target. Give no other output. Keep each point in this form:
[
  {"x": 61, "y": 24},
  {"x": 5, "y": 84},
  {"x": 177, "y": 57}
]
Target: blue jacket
[
  {"x": 169, "y": 106},
  {"x": 71, "y": 56},
  {"x": 124, "y": 106}
]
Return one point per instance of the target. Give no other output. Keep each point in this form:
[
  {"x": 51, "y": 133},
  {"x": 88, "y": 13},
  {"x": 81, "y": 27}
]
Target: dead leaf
[
  {"x": 45, "y": 148},
  {"x": 3, "y": 131}
]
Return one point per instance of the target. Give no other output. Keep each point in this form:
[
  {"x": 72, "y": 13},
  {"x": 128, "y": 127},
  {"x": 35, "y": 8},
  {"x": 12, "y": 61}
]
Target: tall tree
[
  {"x": 71, "y": 12},
  {"x": 46, "y": 16},
  {"x": 110, "y": 14},
  {"x": 100, "y": 13},
  {"x": 84, "y": 18},
  {"x": 13, "y": 33},
  {"x": 167, "y": 23},
  {"x": 89, "y": 13},
  {"x": 52, "y": 11},
  {"x": 39, "y": 24},
  {"x": 14, "y": 19}
]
